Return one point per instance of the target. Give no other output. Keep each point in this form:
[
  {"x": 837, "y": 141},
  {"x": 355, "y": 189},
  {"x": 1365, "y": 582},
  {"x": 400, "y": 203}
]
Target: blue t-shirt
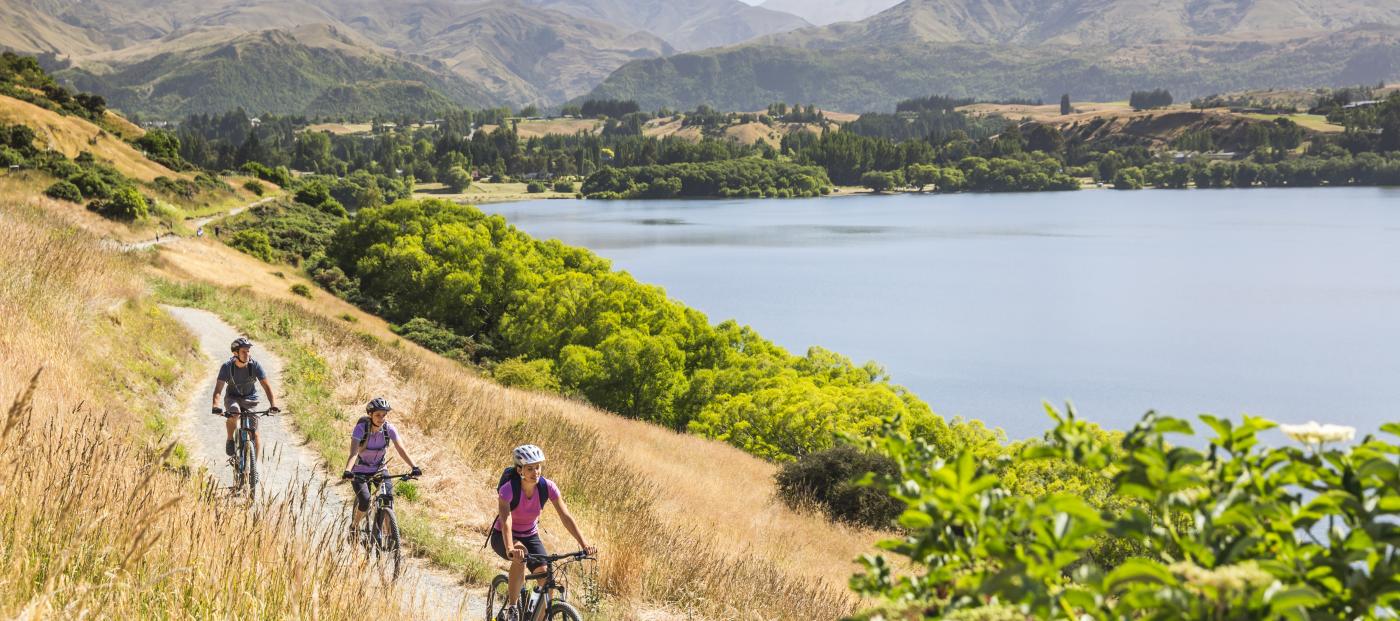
[
  {"x": 375, "y": 449},
  {"x": 242, "y": 383}
]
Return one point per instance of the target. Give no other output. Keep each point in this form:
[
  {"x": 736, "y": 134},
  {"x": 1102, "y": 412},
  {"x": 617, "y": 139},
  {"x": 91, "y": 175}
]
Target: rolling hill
[
  {"x": 314, "y": 70},
  {"x": 178, "y": 56},
  {"x": 1032, "y": 49},
  {"x": 694, "y": 25},
  {"x": 823, "y": 12}
]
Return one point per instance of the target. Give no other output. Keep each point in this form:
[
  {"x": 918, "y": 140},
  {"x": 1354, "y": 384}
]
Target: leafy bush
[
  {"x": 253, "y": 186},
  {"x": 64, "y": 191},
  {"x": 564, "y": 186},
  {"x": 294, "y": 230},
  {"x": 302, "y": 290},
  {"x": 458, "y": 179},
  {"x": 529, "y": 374},
  {"x": 255, "y": 243},
  {"x": 91, "y": 184},
  {"x": 830, "y": 478},
  {"x": 435, "y": 338},
  {"x": 126, "y": 203},
  {"x": 534, "y": 187},
  {"x": 1129, "y": 178},
  {"x": 1237, "y": 528}
]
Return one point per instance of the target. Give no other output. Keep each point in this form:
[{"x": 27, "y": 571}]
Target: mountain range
[
  {"x": 168, "y": 58},
  {"x": 173, "y": 57},
  {"x": 1096, "y": 49}
]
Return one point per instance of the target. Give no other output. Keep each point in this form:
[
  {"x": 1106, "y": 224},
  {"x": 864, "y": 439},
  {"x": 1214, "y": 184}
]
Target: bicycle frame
[{"x": 548, "y": 584}]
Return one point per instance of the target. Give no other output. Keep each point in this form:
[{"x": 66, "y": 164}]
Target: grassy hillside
[
  {"x": 98, "y": 518},
  {"x": 859, "y": 75},
  {"x": 278, "y": 72},
  {"x": 690, "y": 26}
]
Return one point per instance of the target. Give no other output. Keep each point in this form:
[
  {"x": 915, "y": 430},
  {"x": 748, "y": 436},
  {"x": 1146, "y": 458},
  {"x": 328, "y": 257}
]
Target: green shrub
[
  {"x": 1235, "y": 529},
  {"x": 529, "y": 374},
  {"x": 830, "y": 479},
  {"x": 91, "y": 184},
  {"x": 435, "y": 338},
  {"x": 564, "y": 186},
  {"x": 126, "y": 204},
  {"x": 458, "y": 179},
  {"x": 1130, "y": 178},
  {"x": 535, "y": 187},
  {"x": 253, "y": 186},
  {"x": 64, "y": 191},
  {"x": 255, "y": 243},
  {"x": 301, "y": 290}
]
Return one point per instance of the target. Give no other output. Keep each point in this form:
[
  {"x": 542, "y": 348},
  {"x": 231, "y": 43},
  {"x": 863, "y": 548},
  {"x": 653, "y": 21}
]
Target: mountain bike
[
  {"x": 539, "y": 603},
  {"x": 243, "y": 461},
  {"x": 379, "y": 532}
]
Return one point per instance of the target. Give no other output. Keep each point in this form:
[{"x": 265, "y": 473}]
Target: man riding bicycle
[
  {"x": 521, "y": 501},
  {"x": 369, "y": 448},
  {"x": 241, "y": 374}
]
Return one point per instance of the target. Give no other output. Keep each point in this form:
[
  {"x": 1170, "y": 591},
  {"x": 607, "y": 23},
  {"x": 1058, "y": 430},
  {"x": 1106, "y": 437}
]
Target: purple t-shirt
[
  {"x": 525, "y": 519},
  {"x": 371, "y": 458}
]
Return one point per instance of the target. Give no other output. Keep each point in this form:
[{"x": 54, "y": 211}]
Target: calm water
[{"x": 1280, "y": 303}]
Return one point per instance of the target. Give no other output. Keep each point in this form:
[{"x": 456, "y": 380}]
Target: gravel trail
[{"x": 290, "y": 469}]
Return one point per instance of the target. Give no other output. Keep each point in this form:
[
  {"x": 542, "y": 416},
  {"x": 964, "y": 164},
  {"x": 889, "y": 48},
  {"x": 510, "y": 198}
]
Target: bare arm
[
  {"x": 218, "y": 388},
  {"x": 354, "y": 452},
  {"x": 271, "y": 400},
  {"x": 398, "y": 446},
  {"x": 503, "y": 514},
  {"x": 569, "y": 524}
]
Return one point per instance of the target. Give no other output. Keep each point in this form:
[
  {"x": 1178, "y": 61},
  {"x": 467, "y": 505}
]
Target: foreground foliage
[{"x": 1235, "y": 531}]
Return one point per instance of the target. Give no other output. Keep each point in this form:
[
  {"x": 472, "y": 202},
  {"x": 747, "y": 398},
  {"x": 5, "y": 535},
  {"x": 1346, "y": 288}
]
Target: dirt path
[
  {"x": 290, "y": 469},
  {"x": 197, "y": 223}
]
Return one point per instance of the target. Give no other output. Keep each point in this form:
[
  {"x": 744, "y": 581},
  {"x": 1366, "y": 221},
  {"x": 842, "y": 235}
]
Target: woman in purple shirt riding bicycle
[{"x": 369, "y": 448}]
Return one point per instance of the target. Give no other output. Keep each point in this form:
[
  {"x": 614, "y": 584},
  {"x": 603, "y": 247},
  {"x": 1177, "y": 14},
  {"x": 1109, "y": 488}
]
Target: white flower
[
  {"x": 1224, "y": 579},
  {"x": 1315, "y": 434}
]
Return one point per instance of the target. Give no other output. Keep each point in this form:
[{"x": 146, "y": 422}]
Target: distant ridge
[{"x": 1098, "y": 49}]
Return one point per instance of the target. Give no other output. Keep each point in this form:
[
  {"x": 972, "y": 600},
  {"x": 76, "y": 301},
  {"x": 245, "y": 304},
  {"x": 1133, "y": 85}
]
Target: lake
[{"x": 1283, "y": 303}]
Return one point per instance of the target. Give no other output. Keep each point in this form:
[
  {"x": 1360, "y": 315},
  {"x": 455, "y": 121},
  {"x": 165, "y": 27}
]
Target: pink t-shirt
[{"x": 527, "y": 512}]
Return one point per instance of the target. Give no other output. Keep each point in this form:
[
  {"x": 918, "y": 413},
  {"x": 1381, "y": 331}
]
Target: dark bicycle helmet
[
  {"x": 377, "y": 403},
  {"x": 241, "y": 341}
]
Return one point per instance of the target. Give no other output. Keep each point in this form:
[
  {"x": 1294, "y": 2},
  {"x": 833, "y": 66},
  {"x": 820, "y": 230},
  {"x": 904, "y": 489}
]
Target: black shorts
[{"x": 532, "y": 544}]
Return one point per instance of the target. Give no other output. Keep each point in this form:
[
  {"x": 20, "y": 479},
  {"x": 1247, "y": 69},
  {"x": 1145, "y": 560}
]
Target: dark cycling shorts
[
  {"x": 532, "y": 544},
  {"x": 362, "y": 492},
  {"x": 234, "y": 405}
]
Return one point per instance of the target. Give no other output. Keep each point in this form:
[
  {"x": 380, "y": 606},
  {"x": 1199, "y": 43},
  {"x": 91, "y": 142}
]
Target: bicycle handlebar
[
  {"x": 227, "y": 414},
  {"x": 580, "y": 555},
  {"x": 383, "y": 477}
]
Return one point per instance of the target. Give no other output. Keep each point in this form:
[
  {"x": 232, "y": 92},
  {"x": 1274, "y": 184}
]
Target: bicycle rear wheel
[
  {"x": 562, "y": 611},
  {"x": 390, "y": 553},
  {"x": 496, "y": 596}
]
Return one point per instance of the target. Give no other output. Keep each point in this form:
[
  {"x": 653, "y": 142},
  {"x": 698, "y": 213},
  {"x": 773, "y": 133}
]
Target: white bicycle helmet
[{"x": 528, "y": 454}]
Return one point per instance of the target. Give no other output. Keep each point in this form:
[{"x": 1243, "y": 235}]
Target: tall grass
[
  {"x": 683, "y": 523},
  {"x": 92, "y": 523}
]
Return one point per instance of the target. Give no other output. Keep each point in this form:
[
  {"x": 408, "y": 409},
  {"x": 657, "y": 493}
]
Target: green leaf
[{"x": 1138, "y": 570}]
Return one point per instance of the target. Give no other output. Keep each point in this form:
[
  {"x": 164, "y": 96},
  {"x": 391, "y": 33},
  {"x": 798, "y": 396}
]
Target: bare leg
[{"x": 517, "y": 577}]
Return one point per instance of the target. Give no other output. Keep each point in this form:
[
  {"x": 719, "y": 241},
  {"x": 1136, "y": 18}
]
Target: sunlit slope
[{"x": 72, "y": 135}]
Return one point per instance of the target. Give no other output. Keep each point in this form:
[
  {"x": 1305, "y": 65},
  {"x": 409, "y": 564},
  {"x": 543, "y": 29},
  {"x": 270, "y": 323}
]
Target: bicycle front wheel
[
  {"x": 562, "y": 611},
  {"x": 496, "y": 596},
  {"x": 390, "y": 553},
  {"x": 252, "y": 468},
  {"x": 240, "y": 477}
]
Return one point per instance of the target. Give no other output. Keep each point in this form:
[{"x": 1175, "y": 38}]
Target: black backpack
[{"x": 512, "y": 476}]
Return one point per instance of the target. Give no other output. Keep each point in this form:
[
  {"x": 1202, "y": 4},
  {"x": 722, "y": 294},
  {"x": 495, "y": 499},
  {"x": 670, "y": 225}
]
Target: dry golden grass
[
  {"x": 91, "y": 524},
  {"x": 685, "y": 524},
  {"x": 71, "y": 135}
]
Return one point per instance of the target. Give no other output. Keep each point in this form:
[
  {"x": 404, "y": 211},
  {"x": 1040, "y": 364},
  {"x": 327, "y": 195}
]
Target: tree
[
  {"x": 1146, "y": 100},
  {"x": 1065, "y": 108},
  {"x": 458, "y": 179},
  {"x": 921, "y": 175},
  {"x": 880, "y": 181},
  {"x": 1129, "y": 178}
]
